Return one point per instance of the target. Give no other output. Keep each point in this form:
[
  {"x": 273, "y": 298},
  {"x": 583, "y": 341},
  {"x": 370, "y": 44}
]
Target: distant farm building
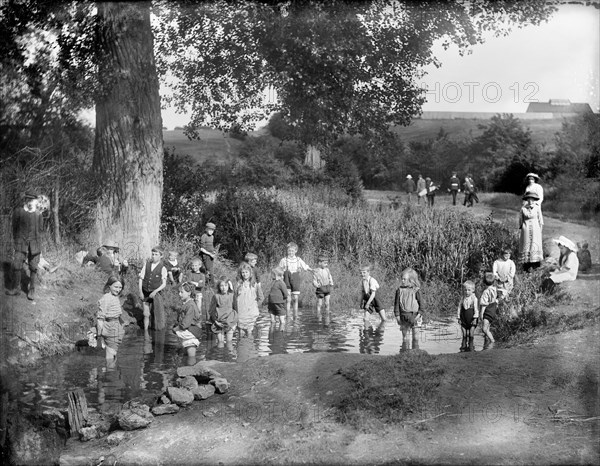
[{"x": 559, "y": 106}]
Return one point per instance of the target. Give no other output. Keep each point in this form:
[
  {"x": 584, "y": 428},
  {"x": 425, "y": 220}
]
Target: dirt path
[{"x": 531, "y": 404}]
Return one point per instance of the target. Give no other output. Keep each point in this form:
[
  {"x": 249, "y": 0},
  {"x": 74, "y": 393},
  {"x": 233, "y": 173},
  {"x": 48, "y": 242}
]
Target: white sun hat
[{"x": 566, "y": 242}]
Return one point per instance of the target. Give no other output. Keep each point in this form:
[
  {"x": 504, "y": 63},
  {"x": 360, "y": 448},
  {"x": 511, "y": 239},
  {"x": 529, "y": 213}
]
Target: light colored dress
[
  {"x": 247, "y": 297},
  {"x": 530, "y": 241},
  {"x": 568, "y": 269},
  {"x": 109, "y": 310},
  {"x": 504, "y": 271}
]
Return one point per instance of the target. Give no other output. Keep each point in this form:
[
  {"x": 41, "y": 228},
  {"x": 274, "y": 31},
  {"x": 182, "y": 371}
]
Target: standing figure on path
[
  {"x": 323, "y": 282},
  {"x": 407, "y": 305},
  {"x": 420, "y": 187},
  {"x": 109, "y": 324},
  {"x": 207, "y": 249},
  {"x": 430, "y": 187},
  {"x": 369, "y": 303},
  {"x": 409, "y": 187},
  {"x": 534, "y": 187},
  {"x": 247, "y": 297},
  {"x": 468, "y": 315},
  {"x": 292, "y": 266},
  {"x": 27, "y": 226},
  {"x": 531, "y": 222},
  {"x": 488, "y": 305},
  {"x": 504, "y": 271},
  {"x": 470, "y": 191},
  {"x": 152, "y": 280},
  {"x": 454, "y": 187}
]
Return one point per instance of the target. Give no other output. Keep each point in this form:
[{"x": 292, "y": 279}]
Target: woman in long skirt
[{"x": 531, "y": 222}]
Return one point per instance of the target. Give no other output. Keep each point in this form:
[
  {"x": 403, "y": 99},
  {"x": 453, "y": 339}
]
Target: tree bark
[
  {"x": 128, "y": 151},
  {"x": 312, "y": 157},
  {"x": 55, "y": 208}
]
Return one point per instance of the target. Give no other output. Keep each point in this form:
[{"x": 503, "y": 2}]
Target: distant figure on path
[
  {"x": 420, "y": 187},
  {"x": 409, "y": 187},
  {"x": 431, "y": 188},
  {"x": 454, "y": 187},
  {"x": 531, "y": 222}
]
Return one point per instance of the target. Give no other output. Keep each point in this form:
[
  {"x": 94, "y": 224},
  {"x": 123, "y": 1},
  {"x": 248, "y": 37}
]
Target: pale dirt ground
[{"x": 530, "y": 404}]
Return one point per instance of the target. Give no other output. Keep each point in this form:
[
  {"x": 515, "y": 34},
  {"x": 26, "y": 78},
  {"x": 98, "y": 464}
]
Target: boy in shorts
[
  {"x": 323, "y": 283},
  {"x": 292, "y": 265},
  {"x": 370, "y": 303}
]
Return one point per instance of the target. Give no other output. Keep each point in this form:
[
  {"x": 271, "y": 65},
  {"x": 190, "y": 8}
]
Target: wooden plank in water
[{"x": 78, "y": 411}]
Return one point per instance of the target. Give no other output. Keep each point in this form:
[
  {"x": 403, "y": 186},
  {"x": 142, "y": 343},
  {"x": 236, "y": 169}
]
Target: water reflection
[{"x": 147, "y": 360}]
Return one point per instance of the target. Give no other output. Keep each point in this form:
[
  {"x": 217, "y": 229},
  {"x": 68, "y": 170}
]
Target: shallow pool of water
[{"x": 146, "y": 362}]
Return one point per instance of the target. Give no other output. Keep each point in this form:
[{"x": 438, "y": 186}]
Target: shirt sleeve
[
  {"x": 418, "y": 299},
  {"x": 142, "y": 272},
  {"x": 102, "y": 308},
  {"x": 164, "y": 273},
  {"x": 302, "y": 265},
  {"x": 283, "y": 264},
  {"x": 373, "y": 285},
  {"x": 188, "y": 316}
]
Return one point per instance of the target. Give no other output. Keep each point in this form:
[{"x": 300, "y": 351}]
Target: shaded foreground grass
[{"x": 390, "y": 389}]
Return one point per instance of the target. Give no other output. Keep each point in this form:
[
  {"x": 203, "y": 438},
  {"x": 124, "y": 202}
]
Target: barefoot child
[
  {"x": 488, "y": 305},
  {"x": 323, "y": 283},
  {"x": 504, "y": 270},
  {"x": 247, "y": 295},
  {"x": 189, "y": 322},
  {"x": 467, "y": 314},
  {"x": 221, "y": 313},
  {"x": 278, "y": 296},
  {"x": 207, "y": 249},
  {"x": 407, "y": 303},
  {"x": 109, "y": 324},
  {"x": 370, "y": 303},
  {"x": 292, "y": 266},
  {"x": 152, "y": 280}
]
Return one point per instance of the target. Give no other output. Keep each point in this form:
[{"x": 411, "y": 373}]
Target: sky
[{"x": 555, "y": 60}]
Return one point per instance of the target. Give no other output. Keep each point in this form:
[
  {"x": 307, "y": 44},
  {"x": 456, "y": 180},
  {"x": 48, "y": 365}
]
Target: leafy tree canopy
[{"x": 337, "y": 67}]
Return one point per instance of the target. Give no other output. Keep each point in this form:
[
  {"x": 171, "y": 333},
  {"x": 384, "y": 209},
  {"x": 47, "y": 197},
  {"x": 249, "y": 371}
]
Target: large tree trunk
[{"x": 128, "y": 152}]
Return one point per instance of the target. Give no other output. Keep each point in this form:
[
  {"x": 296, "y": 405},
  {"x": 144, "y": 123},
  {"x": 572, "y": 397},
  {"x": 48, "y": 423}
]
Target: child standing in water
[
  {"x": 369, "y": 302},
  {"x": 323, "y": 283},
  {"x": 247, "y": 295},
  {"x": 467, "y": 314},
  {"x": 407, "y": 304},
  {"x": 292, "y": 265},
  {"x": 278, "y": 295},
  {"x": 504, "y": 270},
  {"x": 488, "y": 304},
  {"x": 221, "y": 313},
  {"x": 109, "y": 325},
  {"x": 189, "y": 322}
]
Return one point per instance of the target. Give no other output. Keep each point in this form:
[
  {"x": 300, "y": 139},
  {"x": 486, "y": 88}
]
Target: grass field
[
  {"x": 542, "y": 131},
  {"x": 217, "y": 144}
]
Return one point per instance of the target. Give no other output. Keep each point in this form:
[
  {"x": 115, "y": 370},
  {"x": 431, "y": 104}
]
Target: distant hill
[
  {"x": 212, "y": 144},
  {"x": 218, "y": 145},
  {"x": 542, "y": 131}
]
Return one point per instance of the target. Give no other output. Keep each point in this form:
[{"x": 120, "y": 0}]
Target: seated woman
[{"x": 568, "y": 264}]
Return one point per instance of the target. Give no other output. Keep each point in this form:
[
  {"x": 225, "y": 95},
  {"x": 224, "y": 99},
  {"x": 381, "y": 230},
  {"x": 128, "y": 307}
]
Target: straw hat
[
  {"x": 211, "y": 225},
  {"x": 409, "y": 177},
  {"x": 537, "y": 178},
  {"x": 566, "y": 242},
  {"x": 531, "y": 195}
]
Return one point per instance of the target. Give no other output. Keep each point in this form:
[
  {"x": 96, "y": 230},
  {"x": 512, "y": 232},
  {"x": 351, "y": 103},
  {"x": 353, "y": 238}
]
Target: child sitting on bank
[
  {"x": 323, "y": 282},
  {"x": 173, "y": 268},
  {"x": 189, "y": 322},
  {"x": 407, "y": 304},
  {"x": 292, "y": 265},
  {"x": 223, "y": 317},
  {"x": 278, "y": 296},
  {"x": 488, "y": 305},
  {"x": 369, "y": 302},
  {"x": 467, "y": 315},
  {"x": 504, "y": 270}
]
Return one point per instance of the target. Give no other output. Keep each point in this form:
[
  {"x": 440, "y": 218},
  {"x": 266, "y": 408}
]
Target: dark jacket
[{"x": 27, "y": 230}]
